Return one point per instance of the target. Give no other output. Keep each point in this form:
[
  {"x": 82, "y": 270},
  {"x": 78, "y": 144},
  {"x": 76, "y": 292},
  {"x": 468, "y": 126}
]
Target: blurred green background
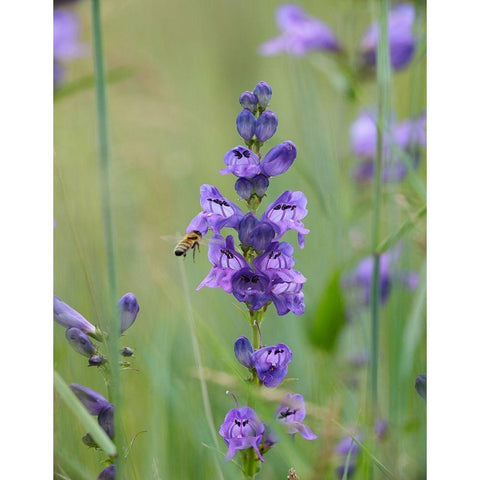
[{"x": 177, "y": 69}]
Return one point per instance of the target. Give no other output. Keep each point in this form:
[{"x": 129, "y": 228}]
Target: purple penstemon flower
[
  {"x": 255, "y": 233},
  {"x": 279, "y": 159},
  {"x": 252, "y": 288},
  {"x": 91, "y": 400},
  {"x": 198, "y": 224},
  {"x": 226, "y": 262},
  {"x": 240, "y": 430},
  {"x": 242, "y": 162},
  {"x": 271, "y": 364},
  {"x": 80, "y": 342},
  {"x": 401, "y": 38},
  {"x": 286, "y": 213},
  {"x": 291, "y": 413},
  {"x": 68, "y": 317},
  {"x": 246, "y": 124},
  {"x": 286, "y": 292},
  {"x": 128, "y": 309},
  {"x": 244, "y": 352},
  {"x": 301, "y": 34},
  {"x": 220, "y": 212}
]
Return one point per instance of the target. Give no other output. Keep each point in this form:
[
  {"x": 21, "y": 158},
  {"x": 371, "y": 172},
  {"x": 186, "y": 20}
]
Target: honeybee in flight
[{"x": 190, "y": 240}]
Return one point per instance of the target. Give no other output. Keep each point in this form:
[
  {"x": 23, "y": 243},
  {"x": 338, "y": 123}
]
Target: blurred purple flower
[
  {"x": 286, "y": 213},
  {"x": 301, "y": 34},
  {"x": 240, "y": 430},
  {"x": 291, "y": 412},
  {"x": 346, "y": 445},
  {"x": 80, "y": 342},
  {"x": 381, "y": 428},
  {"x": 70, "y": 318},
  {"x": 271, "y": 364},
  {"x": 279, "y": 159},
  {"x": 244, "y": 352},
  {"x": 401, "y": 38},
  {"x": 107, "y": 473},
  {"x": 128, "y": 308},
  {"x": 91, "y": 400},
  {"x": 340, "y": 470},
  {"x": 421, "y": 385},
  {"x": 226, "y": 262}
]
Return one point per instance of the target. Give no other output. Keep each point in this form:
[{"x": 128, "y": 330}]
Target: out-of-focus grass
[{"x": 172, "y": 120}]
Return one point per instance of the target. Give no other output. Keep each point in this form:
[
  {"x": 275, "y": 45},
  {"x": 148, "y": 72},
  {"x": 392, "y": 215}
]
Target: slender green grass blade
[{"x": 85, "y": 418}]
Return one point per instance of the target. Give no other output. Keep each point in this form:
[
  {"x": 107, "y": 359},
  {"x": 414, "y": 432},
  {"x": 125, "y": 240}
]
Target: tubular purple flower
[
  {"x": 271, "y": 364},
  {"x": 401, "y": 38},
  {"x": 198, "y": 224},
  {"x": 128, "y": 309},
  {"x": 244, "y": 351},
  {"x": 363, "y": 135},
  {"x": 66, "y": 33},
  {"x": 254, "y": 233},
  {"x": 260, "y": 185},
  {"x": 246, "y": 124},
  {"x": 67, "y": 317},
  {"x": 391, "y": 172},
  {"x": 291, "y": 412},
  {"x": 278, "y": 256},
  {"x": 286, "y": 292},
  {"x": 279, "y": 159},
  {"x": 220, "y": 212},
  {"x": 242, "y": 162},
  {"x": 266, "y": 126},
  {"x": 263, "y": 92},
  {"x": 286, "y": 213},
  {"x": 105, "y": 420},
  {"x": 301, "y": 34},
  {"x": 240, "y": 430},
  {"x": 248, "y": 100},
  {"x": 226, "y": 262},
  {"x": 251, "y": 288},
  {"x": 91, "y": 400},
  {"x": 244, "y": 188},
  {"x": 107, "y": 473},
  {"x": 80, "y": 342}
]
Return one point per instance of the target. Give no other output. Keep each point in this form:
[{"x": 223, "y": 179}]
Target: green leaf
[
  {"x": 85, "y": 418},
  {"x": 329, "y": 316}
]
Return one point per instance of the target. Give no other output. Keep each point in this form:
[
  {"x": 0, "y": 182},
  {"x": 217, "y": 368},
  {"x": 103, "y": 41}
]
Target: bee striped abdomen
[{"x": 190, "y": 240}]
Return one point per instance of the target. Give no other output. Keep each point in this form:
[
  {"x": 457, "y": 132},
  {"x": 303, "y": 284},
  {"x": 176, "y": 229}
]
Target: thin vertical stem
[
  {"x": 104, "y": 165},
  {"x": 383, "y": 81}
]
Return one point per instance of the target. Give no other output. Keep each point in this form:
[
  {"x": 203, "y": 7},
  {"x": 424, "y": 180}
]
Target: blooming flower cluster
[
  {"x": 66, "y": 43},
  {"x": 260, "y": 271},
  {"x": 404, "y": 138},
  {"x": 302, "y": 33}
]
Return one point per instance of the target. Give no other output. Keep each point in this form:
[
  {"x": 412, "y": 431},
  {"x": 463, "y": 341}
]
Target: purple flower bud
[
  {"x": 248, "y": 100},
  {"x": 291, "y": 412},
  {"x": 90, "y": 399},
  {"x": 244, "y": 188},
  {"x": 96, "y": 360},
  {"x": 260, "y": 184},
  {"x": 127, "y": 352},
  {"x": 251, "y": 288},
  {"x": 381, "y": 428},
  {"x": 128, "y": 308},
  {"x": 242, "y": 162},
  {"x": 105, "y": 420},
  {"x": 261, "y": 236},
  {"x": 246, "y": 123},
  {"x": 266, "y": 126},
  {"x": 243, "y": 351},
  {"x": 279, "y": 159},
  {"x": 246, "y": 226},
  {"x": 240, "y": 430},
  {"x": 80, "y": 342},
  {"x": 107, "y": 473},
  {"x": 263, "y": 92},
  {"x": 421, "y": 385},
  {"x": 346, "y": 445},
  {"x": 271, "y": 364},
  {"x": 70, "y": 318}
]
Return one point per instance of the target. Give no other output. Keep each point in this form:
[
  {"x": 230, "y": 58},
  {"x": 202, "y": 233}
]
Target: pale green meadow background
[{"x": 177, "y": 69}]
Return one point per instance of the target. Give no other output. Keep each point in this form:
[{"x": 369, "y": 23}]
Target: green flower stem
[
  {"x": 250, "y": 464},
  {"x": 104, "y": 164}
]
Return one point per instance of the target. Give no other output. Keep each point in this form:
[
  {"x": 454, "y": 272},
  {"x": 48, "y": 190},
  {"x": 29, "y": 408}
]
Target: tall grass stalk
[
  {"x": 383, "y": 92},
  {"x": 104, "y": 164}
]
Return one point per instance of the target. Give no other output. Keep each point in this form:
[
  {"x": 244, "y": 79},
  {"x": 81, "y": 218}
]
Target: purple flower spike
[
  {"x": 286, "y": 213},
  {"x": 248, "y": 100},
  {"x": 246, "y": 124},
  {"x": 240, "y": 430},
  {"x": 301, "y": 34},
  {"x": 266, "y": 126},
  {"x": 105, "y": 420},
  {"x": 220, "y": 212},
  {"x": 251, "y": 288},
  {"x": 80, "y": 342},
  {"x": 226, "y": 262},
  {"x": 291, "y": 412},
  {"x": 90, "y": 399},
  {"x": 260, "y": 185},
  {"x": 271, "y": 364},
  {"x": 242, "y": 162},
  {"x": 244, "y": 352},
  {"x": 401, "y": 39},
  {"x": 198, "y": 224},
  {"x": 263, "y": 92},
  {"x": 128, "y": 308},
  {"x": 107, "y": 473},
  {"x": 67, "y": 317},
  {"x": 279, "y": 159}
]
